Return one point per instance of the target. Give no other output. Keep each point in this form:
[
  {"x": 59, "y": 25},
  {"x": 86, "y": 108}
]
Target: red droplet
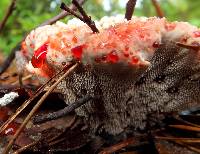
[
  {"x": 112, "y": 57},
  {"x": 134, "y": 60},
  {"x": 126, "y": 55},
  {"x": 77, "y": 51},
  {"x": 39, "y": 56},
  {"x": 196, "y": 34},
  {"x": 11, "y": 129},
  {"x": 156, "y": 44}
]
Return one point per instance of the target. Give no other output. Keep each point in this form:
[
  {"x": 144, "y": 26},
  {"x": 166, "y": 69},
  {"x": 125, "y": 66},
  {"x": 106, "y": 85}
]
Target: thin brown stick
[
  {"x": 130, "y": 6},
  {"x": 8, "y": 13},
  {"x": 26, "y": 147},
  {"x": 51, "y": 21},
  {"x": 85, "y": 18},
  {"x": 180, "y": 142},
  {"x": 70, "y": 108},
  {"x": 159, "y": 11},
  {"x": 26, "y": 103},
  {"x": 35, "y": 108},
  {"x": 23, "y": 79},
  {"x": 62, "y": 15},
  {"x": 186, "y": 127},
  {"x": 70, "y": 11},
  {"x": 187, "y": 122},
  {"x": 118, "y": 146},
  {"x": 188, "y": 146},
  {"x": 188, "y": 140}
]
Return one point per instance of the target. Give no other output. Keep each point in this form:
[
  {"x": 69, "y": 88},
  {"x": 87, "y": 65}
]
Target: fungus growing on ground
[{"x": 113, "y": 64}]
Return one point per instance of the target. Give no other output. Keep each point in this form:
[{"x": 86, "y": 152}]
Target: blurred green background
[{"x": 29, "y": 14}]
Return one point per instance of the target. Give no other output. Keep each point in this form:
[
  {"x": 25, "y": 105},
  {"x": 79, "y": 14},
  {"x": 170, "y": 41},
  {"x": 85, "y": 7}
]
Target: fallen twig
[
  {"x": 118, "y": 146},
  {"x": 70, "y": 11},
  {"x": 186, "y": 127},
  {"x": 130, "y": 6},
  {"x": 190, "y": 147},
  {"x": 159, "y": 11},
  {"x": 23, "y": 79},
  {"x": 35, "y": 108},
  {"x": 187, "y": 122},
  {"x": 26, "y": 147},
  {"x": 70, "y": 108},
  {"x": 181, "y": 141},
  {"x": 62, "y": 15},
  {"x": 188, "y": 140},
  {"x": 85, "y": 18},
  {"x": 7, "y": 15}
]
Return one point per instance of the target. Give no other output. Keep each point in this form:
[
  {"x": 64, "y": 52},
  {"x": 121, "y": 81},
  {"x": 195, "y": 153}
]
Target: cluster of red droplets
[
  {"x": 39, "y": 56},
  {"x": 78, "y": 51},
  {"x": 111, "y": 57}
]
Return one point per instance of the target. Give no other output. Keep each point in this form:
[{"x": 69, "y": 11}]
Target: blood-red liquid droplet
[
  {"x": 156, "y": 44},
  {"x": 77, "y": 51},
  {"x": 112, "y": 57},
  {"x": 39, "y": 56},
  {"x": 126, "y": 55},
  {"x": 196, "y": 34},
  {"x": 11, "y": 129},
  {"x": 134, "y": 60}
]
